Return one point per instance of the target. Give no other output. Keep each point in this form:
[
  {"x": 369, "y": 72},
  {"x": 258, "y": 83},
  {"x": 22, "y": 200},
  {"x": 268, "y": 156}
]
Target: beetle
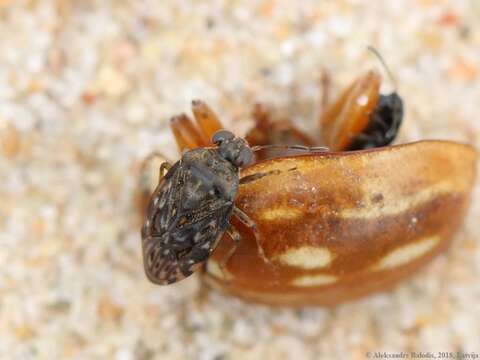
[
  {"x": 341, "y": 225},
  {"x": 334, "y": 226}
]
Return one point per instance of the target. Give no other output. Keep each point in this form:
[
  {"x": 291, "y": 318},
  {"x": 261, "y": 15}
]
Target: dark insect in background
[
  {"x": 385, "y": 120},
  {"x": 383, "y": 126}
]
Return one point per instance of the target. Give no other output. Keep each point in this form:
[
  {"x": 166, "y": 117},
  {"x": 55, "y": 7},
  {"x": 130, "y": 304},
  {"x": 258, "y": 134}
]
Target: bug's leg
[
  {"x": 148, "y": 180},
  {"x": 148, "y": 170},
  {"x": 245, "y": 219},
  {"x": 236, "y": 237},
  {"x": 186, "y": 134},
  {"x": 164, "y": 168},
  {"x": 206, "y": 119}
]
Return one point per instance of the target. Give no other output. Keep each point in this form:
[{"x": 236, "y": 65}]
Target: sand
[{"x": 86, "y": 91}]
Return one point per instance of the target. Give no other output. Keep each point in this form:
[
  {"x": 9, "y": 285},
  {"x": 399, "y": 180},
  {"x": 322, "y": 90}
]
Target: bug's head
[{"x": 235, "y": 150}]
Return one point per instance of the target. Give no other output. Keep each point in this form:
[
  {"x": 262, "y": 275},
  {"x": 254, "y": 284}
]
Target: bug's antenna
[
  {"x": 384, "y": 64},
  {"x": 290, "y": 147}
]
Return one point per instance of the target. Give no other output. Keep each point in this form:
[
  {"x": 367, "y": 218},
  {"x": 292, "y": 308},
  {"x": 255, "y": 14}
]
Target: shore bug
[
  {"x": 190, "y": 209},
  {"x": 336, "y": 226}
]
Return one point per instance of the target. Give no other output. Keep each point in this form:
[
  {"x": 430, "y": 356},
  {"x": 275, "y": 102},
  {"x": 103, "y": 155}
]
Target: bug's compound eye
[
  {"x": 245, "y": 157},
  {"x": 222, "y": 135}
]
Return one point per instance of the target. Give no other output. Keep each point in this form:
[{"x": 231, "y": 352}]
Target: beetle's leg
[
  {"x": 206, "y": 119},
  {"x": 367, "y": 141},
  {"x": 186, "y": 134},
  {"x": 274, "y": 131},
  {"x": 380, "y": 122},
  {"x": 350, "y": 113},
  {"x": 362, "y": 137},
  {"x": 325, "y": 84},
  {"x": 245, "y": 219},
  {"x": 361, "y": 142},
  {"x": 261, "y": 130}
]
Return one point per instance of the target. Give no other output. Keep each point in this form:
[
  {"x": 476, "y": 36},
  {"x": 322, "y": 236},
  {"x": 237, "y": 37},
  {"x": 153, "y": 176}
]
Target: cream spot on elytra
[
  {"x": 306, "y": 257},
  {"x": 393, "y": 204},
  {"x": 280, "y": 213},
  {"x": 314, "y": 280},
  {"x": 407, "y": 253}
]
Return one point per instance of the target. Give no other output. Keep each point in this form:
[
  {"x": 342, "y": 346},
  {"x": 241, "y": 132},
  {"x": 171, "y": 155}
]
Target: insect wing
[
  {"x": 163, "y": 203},
  {"x": 161, "y": 266},
  {"x": 160, "y": 262}
]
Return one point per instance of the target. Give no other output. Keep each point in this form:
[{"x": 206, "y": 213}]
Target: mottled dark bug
[{"x": 191, "y": 207}]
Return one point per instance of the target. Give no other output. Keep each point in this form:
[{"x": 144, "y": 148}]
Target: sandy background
[{"x": 86, "y": 89}]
